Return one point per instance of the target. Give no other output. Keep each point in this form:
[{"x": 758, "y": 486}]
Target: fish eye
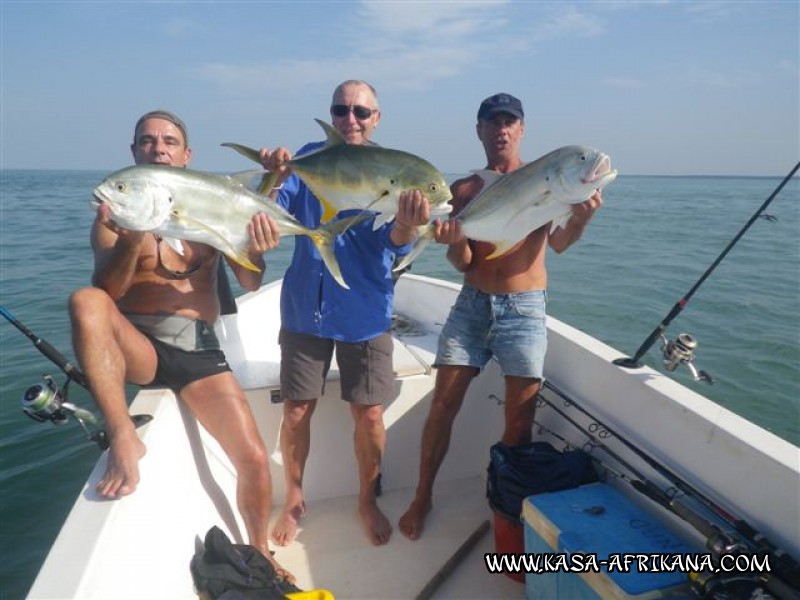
[
  {"x": 583, "y": 157},
  {"x": 433, "y": 187},
  {"x": 120, "y": 186}
]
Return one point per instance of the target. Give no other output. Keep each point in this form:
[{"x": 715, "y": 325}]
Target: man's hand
[
  {"x": 448, "y": 232},
  {"x": 584, "y": 211},
  {"x": 275, "y": 161},
  {"x": 264, "y": 234},
  {"x": 413, "y": 210}
]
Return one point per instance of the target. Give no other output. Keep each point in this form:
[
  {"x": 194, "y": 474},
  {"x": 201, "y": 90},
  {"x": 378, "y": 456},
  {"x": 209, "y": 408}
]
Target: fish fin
[
  {"x": 560, "y": 222},
  {"x": 381, "y": 219},
  {"x": 266, "y": 180},
  {"x": 267, "y": 183},
  {"x": 237, "y": 255},
  {"x": 423, "y": 239},
  {"x": 487, "y": 176},
  {"x": 173, "y": 243},
  {"x": 334, "y": 137},
  {"x": 328, "y": 210},
  {"x": 240, "y": 257},
  {"x": 500, "y": 249},
  {"x": 245, "y": 151},
  {"x": 342, "y": 225},
  {"x": 323, "y": 237}
]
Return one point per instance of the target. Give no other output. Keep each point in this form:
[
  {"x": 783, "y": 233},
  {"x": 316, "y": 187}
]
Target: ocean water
[{"x": 642, "y": 253}]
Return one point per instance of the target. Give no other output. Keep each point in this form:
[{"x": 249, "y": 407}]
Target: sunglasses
[{"x": 362, "y": 113}]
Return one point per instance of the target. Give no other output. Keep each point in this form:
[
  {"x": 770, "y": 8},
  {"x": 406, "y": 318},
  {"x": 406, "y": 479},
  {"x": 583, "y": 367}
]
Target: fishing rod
[
  {"x": 717, "y": 541},
  {"x": 45, "y": 401},
  {"x": 69, "y": 369},
  {"x": 681, "y": 351}
]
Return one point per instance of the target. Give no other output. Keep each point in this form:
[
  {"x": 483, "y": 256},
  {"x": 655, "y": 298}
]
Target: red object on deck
[{"x": 509, "y": 538}]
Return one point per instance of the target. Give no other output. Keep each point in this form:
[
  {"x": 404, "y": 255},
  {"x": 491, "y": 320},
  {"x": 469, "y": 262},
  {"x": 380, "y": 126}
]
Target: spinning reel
[
  {"x": 45, "y": 401},
  {"x": 681, "y": 352}
]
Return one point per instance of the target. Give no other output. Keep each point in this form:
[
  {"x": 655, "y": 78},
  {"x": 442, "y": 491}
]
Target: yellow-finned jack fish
[
  {"x": 365, "y": 177},
  {"x": 538, "y": 193},
  {"x": 181, "y": 204}
]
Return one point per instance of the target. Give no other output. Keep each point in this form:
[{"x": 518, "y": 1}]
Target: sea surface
[{"x": 654, "y": 238}]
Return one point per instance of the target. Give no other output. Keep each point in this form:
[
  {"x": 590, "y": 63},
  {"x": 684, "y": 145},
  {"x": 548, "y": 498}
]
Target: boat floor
[{"x": 332, "y": 552}]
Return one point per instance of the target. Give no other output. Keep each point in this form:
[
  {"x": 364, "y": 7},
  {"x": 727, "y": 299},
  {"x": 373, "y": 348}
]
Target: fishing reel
[
  {"x": 45, "y": 401},
  {"x": 681, "y": 352}
]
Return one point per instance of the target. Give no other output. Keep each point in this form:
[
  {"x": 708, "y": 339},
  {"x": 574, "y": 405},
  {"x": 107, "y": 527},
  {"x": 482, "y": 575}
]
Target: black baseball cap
[
  {"x": 500, "y": 103},
  {"x": 167, "y": 116}
]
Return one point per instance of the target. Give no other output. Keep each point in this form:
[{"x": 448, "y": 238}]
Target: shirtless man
[
  {"x": 512, "y": 288},
  {"x": 144, "y": 293}
]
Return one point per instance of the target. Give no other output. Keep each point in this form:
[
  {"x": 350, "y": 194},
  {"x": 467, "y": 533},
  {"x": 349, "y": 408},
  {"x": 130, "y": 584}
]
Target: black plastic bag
[
  {"x": 516, "y": 472},
  {"x": 236, "y": 570}
]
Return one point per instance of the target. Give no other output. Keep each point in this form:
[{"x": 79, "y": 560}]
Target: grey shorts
[
  {"x": 187, "y": 350},
  {"x": 365, "y": 368}
]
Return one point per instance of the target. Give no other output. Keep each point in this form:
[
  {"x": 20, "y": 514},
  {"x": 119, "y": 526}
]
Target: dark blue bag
[{"x": 516, "y": 472}]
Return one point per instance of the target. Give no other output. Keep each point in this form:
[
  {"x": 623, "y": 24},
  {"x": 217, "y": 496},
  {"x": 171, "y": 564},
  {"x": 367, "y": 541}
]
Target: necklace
[{"x": 174, "y": 274}]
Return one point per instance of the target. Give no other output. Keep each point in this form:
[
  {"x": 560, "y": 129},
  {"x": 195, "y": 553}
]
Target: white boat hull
[{"x": 140, "y": 546}]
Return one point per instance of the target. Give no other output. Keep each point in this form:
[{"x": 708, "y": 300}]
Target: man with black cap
[{"x": 500, "y": 311}]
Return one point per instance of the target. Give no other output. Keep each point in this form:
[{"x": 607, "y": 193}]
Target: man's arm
[
  {"x": 459, "y": 252},
  {"x": 116, "y": 254},
  {"x": 563, "y": 238},
  {"x": 264, "y": 236}
]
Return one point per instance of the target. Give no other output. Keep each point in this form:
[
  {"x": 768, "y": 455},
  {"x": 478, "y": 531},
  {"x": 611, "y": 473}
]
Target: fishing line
[
  {"x": 788, "y": 566},
  {"x": 633, "y": 362}
]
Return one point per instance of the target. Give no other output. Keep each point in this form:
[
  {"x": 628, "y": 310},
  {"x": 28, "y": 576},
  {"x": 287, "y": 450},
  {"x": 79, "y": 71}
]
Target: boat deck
[{"x": 331, "y": 551}]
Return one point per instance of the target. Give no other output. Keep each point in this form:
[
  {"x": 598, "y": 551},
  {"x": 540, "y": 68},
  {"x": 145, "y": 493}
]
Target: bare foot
[
  {"x": 376, "y": 525},
  {"x": 122, "y": 472},
  {"x": 279, "y": 570},
  {"x": 285, "y": 529},
  {"x": 413, "y": 521}
]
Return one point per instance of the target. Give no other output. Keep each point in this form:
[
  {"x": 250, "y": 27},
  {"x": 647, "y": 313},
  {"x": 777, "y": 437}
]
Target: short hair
[
  {"x": 349, "y": 82},
  {"x": 167, "y": 116}
]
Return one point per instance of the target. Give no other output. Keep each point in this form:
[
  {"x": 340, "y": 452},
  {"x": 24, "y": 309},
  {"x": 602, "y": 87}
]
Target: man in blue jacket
[{"x": 318, "y": 315}]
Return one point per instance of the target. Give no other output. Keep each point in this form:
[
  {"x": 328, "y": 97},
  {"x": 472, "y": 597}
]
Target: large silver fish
[
  {"x": 181, "y": 204},
  {"x": 540, "y": 192},
  {"x": 365, "y": 177}
]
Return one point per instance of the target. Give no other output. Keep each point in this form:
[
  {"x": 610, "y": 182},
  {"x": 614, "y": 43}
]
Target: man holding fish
[
  {"x": 500, "y": 311},
  {"x": 149, "y": 321},
  {"x": 319, "y": 316}
]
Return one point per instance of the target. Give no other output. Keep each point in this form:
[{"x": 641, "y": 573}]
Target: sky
[{"x": 664, "y": 88}]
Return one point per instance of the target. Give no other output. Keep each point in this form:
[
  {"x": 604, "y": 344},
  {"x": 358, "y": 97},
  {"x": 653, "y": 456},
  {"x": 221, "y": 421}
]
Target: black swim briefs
[{"x": 187, "y": 350}]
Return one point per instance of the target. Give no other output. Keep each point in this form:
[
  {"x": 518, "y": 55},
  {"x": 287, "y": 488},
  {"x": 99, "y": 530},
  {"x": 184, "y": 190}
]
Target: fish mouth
[
  {"x": 600, "y": 171},
  {"x": 99, "y": 198}
]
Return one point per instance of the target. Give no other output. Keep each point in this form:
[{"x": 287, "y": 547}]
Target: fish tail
[
  {"x": 245, "y": 151},
  {"x": 323, "y": 238},
  {"x": 423, "y": 239}
]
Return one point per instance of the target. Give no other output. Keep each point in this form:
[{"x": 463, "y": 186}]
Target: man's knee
[
  {"x": 88, "y": 302},
  {"x": 368, "y": 416},
  {"x": 253, "y": 457},
  {"x": 295, "y": 414}
]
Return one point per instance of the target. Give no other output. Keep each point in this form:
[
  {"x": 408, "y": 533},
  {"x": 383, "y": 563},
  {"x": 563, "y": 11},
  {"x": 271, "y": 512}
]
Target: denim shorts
[{"x": 510, "y": 327}]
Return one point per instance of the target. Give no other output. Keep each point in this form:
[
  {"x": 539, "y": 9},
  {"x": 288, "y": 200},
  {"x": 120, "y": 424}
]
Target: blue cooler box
[{"x": 598, "y": 519}]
